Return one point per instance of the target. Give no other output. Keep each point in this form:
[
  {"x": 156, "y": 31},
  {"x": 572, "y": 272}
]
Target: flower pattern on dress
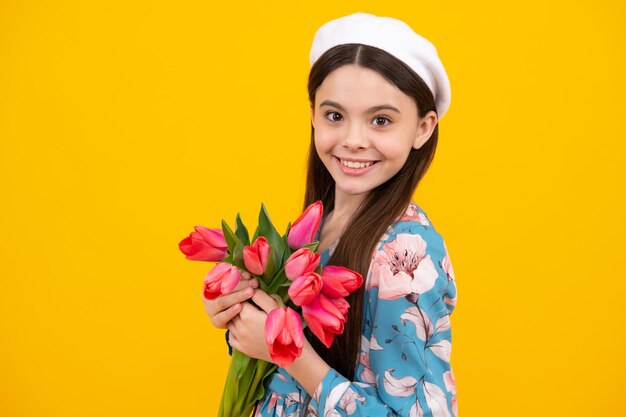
[{"x": 403, "y": 366}]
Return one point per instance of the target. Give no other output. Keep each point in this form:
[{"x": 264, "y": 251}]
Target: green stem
[
  {"x": 256, "y": 389},
  {"x": 263, "y": 285},
  {"x": 231, "y": 393}
]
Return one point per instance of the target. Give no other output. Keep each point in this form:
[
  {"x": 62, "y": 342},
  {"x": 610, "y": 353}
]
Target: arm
[{"x": 405, "y": 358}]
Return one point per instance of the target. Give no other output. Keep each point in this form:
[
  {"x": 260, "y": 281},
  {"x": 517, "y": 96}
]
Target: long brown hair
[{"x": 381, "y": 206}]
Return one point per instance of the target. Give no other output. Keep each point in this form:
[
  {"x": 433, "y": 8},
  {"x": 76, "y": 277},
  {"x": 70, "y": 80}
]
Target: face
[{"x": 365, "y": 128}]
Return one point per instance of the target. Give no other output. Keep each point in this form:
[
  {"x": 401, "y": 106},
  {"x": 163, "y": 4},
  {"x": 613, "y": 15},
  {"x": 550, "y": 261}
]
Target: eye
[
  {"x": 383, "y": 118},
  {"x": 333, "y": 113}
]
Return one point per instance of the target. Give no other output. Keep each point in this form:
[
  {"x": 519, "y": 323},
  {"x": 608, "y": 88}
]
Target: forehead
[{"x": 356, "y": 87}]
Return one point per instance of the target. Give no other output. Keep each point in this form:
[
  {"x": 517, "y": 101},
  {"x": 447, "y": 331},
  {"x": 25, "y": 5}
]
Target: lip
[
  {"x": 354, "y": 172},
  {"x": 356, "y": 160}
]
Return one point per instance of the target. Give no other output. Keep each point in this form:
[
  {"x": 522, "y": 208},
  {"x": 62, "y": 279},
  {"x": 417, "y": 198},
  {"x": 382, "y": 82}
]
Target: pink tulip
[
  {"x": 300, "y": 262},
  {"x": 304, "y": 229},
  {"x": 255, "y": 256},
  {"x": 340, "y": 281},
  {"x": 283, "y": 334},
  {"x": 304, "y": 289},
  {"x": 221, "y": 280},
  {"x": 324, "y": 318},
  {"x": 204, "y": 245},
  {"x": 342, "y": 305}
]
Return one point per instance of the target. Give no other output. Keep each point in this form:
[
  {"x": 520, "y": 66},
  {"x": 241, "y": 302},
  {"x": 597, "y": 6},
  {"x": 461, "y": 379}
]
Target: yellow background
[{"x": 124, "y": 124}]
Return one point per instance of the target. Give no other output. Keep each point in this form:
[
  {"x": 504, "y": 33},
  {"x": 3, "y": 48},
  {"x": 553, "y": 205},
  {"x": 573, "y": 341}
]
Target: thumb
[{"x": 263, "y": 300}]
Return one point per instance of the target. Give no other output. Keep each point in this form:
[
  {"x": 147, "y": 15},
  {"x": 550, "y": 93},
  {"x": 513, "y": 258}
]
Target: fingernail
[{"x": 254, "y": 283}]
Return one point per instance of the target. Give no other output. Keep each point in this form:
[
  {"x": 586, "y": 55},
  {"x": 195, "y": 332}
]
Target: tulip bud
[
  {"x": 304, "y": 229},
  {"x": 221, "y": 280},
  {"x": 284, "y": 336},
  {"x": 204, "y": 245},
  {"x": 324, "y": 318},
  {"x": 340, "y": 281},
  {"x": 303, "y": 289},
  {"x": 300, "y": 262},
  {"x": 255, "y": 256},
  {"x": 342, "y": 305}
]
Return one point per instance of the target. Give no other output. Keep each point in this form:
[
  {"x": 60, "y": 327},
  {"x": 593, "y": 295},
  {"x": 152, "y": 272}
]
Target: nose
[{"x": 355, "y": 137}]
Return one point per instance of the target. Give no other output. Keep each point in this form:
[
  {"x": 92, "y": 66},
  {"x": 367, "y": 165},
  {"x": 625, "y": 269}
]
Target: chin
[{"x": 353, "y": 191}]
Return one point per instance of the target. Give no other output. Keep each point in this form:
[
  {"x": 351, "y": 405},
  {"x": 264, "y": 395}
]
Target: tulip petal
[
  {"x": 300, "y": 262},
  {"x": 324, "y": 318},
  {"x": 283, "y": 334},
  {"x": 273, "y": 324},
  {"x": 294, "y": 324},
  {"x": 340, "y": 281},
  {"x": 221, "y": 280},
  {"x": 255, "y": 256},
  {"x": 303, "y": 289},
  {"x": 305, "y": 228},
  {"x": 204, "y": 245}
]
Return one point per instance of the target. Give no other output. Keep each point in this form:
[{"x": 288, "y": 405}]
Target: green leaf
[
  {"x": 266, "y": 370},
  {"x": 283, "y": 292},
  {"x": 288, "y": 250},
  {"x": 312, "y": 246},
  {"x": 265, "y": 224},
  {"x": 238, "y": 255},
  {"x": 278, "y": 280},
  {"x": 267, "y": 229},
  {"x": 230, "y": 394},
  {"x": 231, "y": 238},
  {"x": 241, "y": 231}
]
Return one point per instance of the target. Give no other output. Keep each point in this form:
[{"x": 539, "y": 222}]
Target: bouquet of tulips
[{"x": 287, "y": 268}]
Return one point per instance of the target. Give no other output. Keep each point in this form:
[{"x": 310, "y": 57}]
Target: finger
[
  {"x": 221, "y": 320},
  {"x": 243, "y": 283},
  {"x": 264, "y": 301},
  {"x": 246, "y": 309},
  {"x": 225, "y": 302}
]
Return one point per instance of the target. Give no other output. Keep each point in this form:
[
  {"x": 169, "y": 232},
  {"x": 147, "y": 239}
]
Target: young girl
[{"x": 377, "y": 92}]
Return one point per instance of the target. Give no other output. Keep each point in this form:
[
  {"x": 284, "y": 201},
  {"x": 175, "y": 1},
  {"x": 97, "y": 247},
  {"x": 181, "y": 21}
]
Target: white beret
[{"x": 396, "y": 38}]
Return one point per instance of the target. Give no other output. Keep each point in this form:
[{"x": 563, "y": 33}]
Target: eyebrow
[{"x": 370, "y": 110}]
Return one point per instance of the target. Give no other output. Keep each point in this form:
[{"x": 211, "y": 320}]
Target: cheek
[
  {"x": 393, "y": 151},
  {"x": 324, "y": 141},
  {"x": 395, "y": 148}
]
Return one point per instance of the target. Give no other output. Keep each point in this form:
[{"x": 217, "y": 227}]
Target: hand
[
  {"x": 225, "y": 307},
  {"x": 247, "y": 329}
]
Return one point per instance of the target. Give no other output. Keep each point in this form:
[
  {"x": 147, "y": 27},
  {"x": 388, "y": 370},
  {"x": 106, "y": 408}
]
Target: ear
[
  {"x": 425, "y": 128},
  {"x": 313, "y": 115}
]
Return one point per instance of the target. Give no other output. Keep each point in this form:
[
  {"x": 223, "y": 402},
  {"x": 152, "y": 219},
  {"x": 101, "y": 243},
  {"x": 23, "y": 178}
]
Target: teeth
[{"x": 351, "y": 164}]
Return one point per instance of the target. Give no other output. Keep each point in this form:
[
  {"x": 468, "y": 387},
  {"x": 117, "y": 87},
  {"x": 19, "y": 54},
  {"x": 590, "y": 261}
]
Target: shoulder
[
  {"x": 412, "y": 258},
  {"x": 413, "y": 228}
]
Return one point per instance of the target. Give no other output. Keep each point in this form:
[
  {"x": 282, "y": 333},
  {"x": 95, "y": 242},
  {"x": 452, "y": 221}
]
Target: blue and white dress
[{"x": 404, "y": 363}]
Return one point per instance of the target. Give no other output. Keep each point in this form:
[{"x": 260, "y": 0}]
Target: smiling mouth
[{"x": 356, "y": 164}]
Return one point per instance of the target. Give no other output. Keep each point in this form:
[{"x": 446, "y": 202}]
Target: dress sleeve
[{"x": 404, "y": 367}]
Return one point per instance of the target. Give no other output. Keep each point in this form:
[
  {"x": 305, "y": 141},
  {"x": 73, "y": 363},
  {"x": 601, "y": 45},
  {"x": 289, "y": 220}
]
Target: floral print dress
[{"x": 404, "y": 363}]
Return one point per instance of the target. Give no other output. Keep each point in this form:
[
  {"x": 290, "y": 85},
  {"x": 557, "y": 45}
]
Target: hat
[{"x": 396, "y": 38}]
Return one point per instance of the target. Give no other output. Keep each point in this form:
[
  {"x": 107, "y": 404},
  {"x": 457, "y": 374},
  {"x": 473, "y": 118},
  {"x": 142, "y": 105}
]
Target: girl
[{"x": 377, "y": 91}]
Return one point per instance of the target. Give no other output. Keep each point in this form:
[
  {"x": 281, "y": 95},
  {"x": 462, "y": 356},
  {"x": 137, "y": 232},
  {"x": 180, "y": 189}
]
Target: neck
[{"x": 345, "y": 205}]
